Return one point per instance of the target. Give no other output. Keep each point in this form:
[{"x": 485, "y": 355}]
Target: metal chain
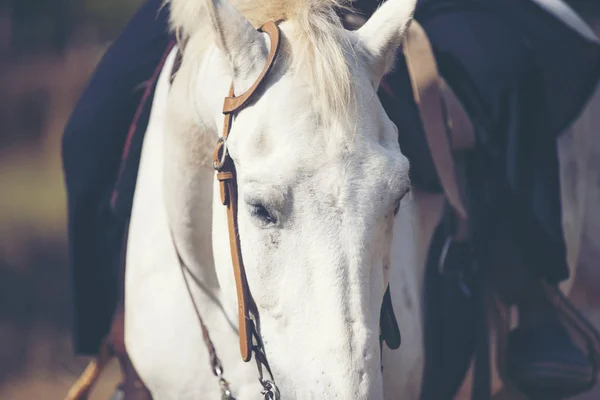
[
  {"x": 215, "y": 362},
  {"x": 270, "y": 390},
  {"x": 225, "y": 390}
]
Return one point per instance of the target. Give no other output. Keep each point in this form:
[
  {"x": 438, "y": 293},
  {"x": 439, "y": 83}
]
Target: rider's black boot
[{"x": 543, "y": 359}]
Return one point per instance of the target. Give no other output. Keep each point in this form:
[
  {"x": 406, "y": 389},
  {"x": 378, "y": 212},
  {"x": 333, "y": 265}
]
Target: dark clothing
[
  {"x": 522, "y": 75},
  {"x": 92, "y": 145}
]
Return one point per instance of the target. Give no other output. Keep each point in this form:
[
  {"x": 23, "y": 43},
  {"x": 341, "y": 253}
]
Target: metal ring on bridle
[
  {"x": 218, "y": 370},
  {"x": 218, "y": 166},
  {"x": 225, "y": 391},
  {"x": 270, "y": 390}
]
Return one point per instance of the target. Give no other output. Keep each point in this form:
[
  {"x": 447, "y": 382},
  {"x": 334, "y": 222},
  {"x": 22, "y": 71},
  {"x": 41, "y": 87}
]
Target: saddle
[{"x": 459, "y": 292}]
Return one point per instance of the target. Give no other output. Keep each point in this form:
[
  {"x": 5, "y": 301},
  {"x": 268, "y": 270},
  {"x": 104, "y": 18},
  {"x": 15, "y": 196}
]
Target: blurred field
[
  {"x": 43, "y": 69},
  {"x": 37, "y": 91}
]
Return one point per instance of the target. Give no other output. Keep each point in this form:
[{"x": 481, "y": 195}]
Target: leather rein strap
[
  {"x": 226, "y": 175},
  {"x": 224, "y": 166},
  {"x": 447, "y": 126},
  {"x": 248, "y": 317}
]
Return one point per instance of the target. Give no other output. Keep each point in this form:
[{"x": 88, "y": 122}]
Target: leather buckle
[{"x": 220, "y": 154}]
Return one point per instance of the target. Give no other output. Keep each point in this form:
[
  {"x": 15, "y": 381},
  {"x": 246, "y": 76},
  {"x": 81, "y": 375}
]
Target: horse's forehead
[
  {"x": 282, "y": 131},
  {"x": 285, "y": 115},
  {"x": 295, "y": 141},
  {"x": 321, "y": 171}
]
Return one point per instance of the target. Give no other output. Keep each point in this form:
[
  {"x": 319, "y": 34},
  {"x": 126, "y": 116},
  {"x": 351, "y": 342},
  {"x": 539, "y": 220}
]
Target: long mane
[{"x": 318, "y": 45}]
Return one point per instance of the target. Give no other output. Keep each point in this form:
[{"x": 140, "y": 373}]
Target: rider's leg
[
  {"x": 486, "y": 59},
  {"x": 92, "y": 145}
]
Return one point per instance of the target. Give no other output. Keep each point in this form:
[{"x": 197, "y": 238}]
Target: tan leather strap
[
  {"x": 460, "y": 128},
  {"x": 226, "y": 175},
  {"x": 227, "y": 180},
  {"x": 447, "y": 126},
  {"x": 232, "y": 103}
]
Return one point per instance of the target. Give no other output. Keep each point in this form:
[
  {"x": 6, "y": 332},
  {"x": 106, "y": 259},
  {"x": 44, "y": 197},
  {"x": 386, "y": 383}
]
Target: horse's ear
[
  {"x": 242, "y": 44},
  {"x": 383, "y": 33}
]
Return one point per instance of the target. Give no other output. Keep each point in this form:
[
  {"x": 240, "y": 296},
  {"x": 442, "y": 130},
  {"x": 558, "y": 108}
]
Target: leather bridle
[
  {"x": 430, "y": 94},
  {"x": 448, "y": 130},
  {"x": 226, "y": 175},
  {"x": 248, "y": 316}
]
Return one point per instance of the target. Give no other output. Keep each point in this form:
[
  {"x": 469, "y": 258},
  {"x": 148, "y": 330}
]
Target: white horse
[
  {"x": 320, "y": 178},
  {"x": 320, "y": 175}
]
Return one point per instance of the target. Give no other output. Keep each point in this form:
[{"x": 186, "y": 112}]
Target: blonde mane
[{"x": 318, "y": 47}]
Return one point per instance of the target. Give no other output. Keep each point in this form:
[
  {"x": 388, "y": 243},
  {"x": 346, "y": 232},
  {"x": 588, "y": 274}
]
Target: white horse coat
[{"x": 318, "y": 272}]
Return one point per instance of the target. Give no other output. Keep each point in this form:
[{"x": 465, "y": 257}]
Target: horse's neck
[
  {"x": 173, "y": 198},
  {"x": 158, "y": 306},
  {"x": 188, "y": 174}
]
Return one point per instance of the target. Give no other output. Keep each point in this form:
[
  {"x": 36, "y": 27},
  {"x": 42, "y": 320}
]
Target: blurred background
[{"x": 48, "y": 48}]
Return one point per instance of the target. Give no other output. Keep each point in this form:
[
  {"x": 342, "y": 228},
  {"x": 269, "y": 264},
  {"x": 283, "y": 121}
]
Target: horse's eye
[{"x": 260, "y": 212}]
